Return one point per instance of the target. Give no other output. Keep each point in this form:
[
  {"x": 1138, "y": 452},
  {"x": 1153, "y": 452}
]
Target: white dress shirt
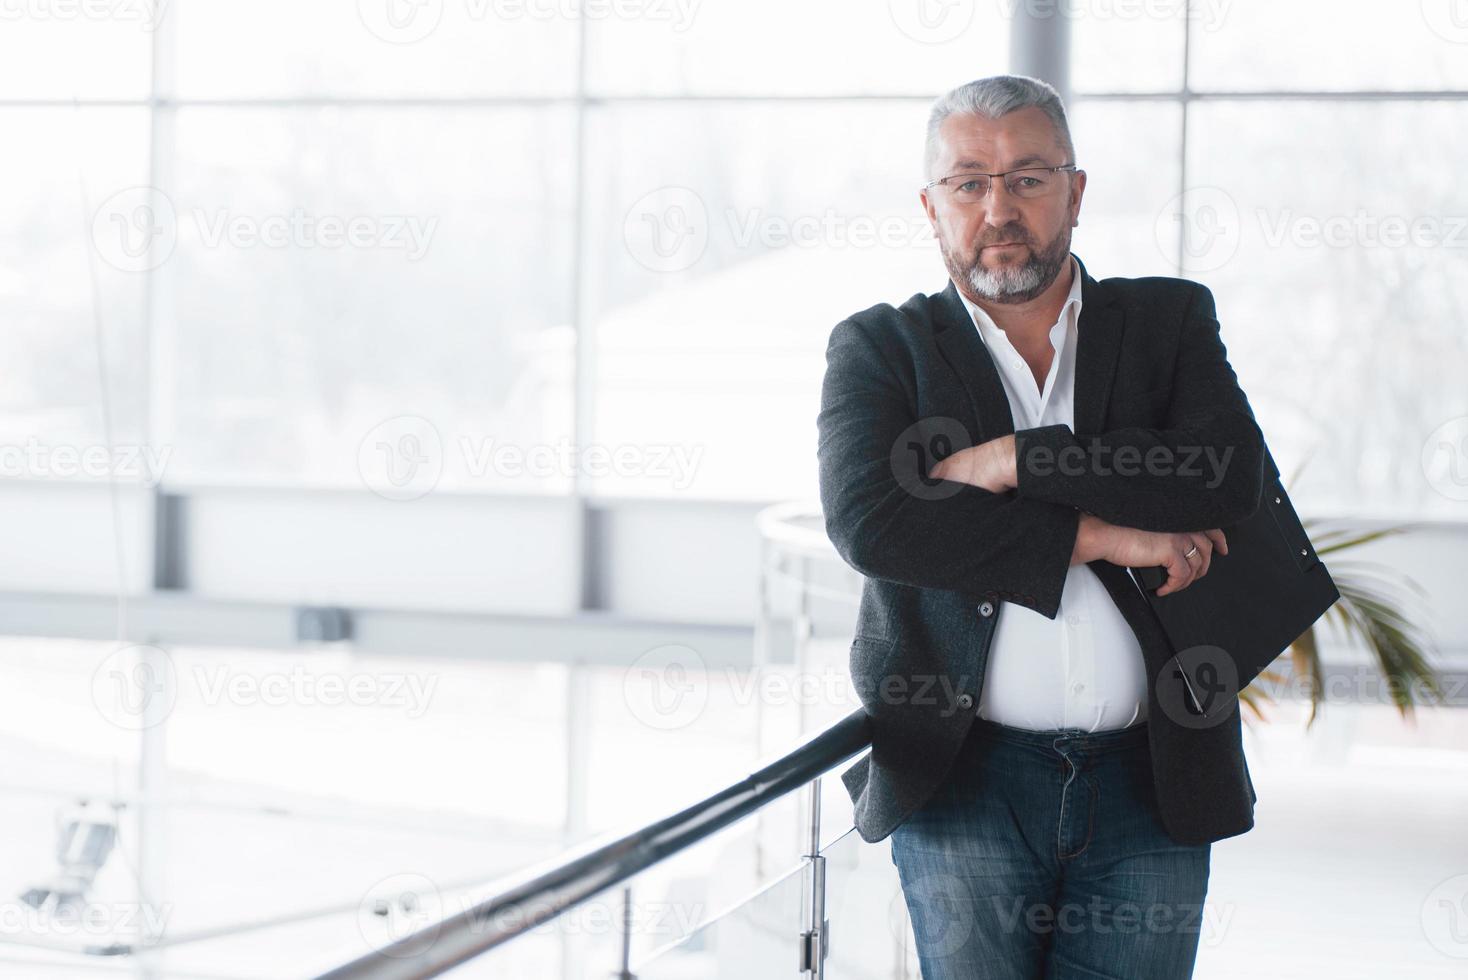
[{"x": 1083, "y": 669}]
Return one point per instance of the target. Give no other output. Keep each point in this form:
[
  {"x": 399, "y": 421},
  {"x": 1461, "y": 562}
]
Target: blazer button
[
  {"x": 965, "y": 701},
  {"x": 986, "y": 609}
]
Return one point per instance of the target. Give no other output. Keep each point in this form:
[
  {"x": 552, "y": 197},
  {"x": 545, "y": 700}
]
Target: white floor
[{"x": 1357, "y": 866}]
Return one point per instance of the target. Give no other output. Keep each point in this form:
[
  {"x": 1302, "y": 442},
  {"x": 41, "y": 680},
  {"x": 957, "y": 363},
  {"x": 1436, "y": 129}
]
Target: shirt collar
[{"x": 990, "y": 331}]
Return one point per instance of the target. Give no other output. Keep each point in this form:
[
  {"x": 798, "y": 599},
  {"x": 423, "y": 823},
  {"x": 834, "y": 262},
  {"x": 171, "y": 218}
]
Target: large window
[
  {"x": 326, "y": 241},
  {"x": 334, "y": 241},
  {"x": 1316, "y": 196}
]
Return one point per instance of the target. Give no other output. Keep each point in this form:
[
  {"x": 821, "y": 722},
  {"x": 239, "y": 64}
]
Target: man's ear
[
  {"x": 1075, "y": 205},
  {"x": 928, "y": 208}
]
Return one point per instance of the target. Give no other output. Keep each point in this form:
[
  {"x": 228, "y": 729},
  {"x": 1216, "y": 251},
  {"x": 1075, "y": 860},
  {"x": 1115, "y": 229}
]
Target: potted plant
[{"x": 1375, "y": 608}]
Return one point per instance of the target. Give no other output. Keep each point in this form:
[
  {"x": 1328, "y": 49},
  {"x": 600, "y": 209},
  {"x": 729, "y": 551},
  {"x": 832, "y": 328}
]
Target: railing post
[
  {"x": 579, "y": 704},
  {"x": 758, "y": 669},
  {"x": 815, "y": 940},
  {"x": 801, "y": 630},
  {"x": 625, "y": 973}
]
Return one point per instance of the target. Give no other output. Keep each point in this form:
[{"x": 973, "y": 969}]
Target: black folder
[{"x": 1254, "y": 602}]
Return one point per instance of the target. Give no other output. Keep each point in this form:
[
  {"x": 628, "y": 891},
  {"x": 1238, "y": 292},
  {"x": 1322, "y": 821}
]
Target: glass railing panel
[
  {"x": 870, "y": 933},
  {"x": 757, "y": 938}
]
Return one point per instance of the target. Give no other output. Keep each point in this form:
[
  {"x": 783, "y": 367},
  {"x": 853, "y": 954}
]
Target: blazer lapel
[
  {"x": 1098, "y": 340},
  {"x": 958, "y": 340},
  {"x": 1098, "y": 346}
]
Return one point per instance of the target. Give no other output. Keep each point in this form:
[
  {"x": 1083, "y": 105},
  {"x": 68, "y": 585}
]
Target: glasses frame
[{"x": 975, "y": 173}]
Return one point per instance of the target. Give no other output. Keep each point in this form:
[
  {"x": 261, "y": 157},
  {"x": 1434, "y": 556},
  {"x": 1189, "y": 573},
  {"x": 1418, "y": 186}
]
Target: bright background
[{"x": 630, "y": 229}]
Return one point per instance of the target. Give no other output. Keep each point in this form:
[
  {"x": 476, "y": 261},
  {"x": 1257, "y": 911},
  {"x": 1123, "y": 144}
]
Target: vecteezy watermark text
[
  {"x": 411, "y": 21},
  {"x": 146, "y": 14},
  {"x": 137, "y": 686},
  {"x": 1099, "y": 459},
  {"x": 138, "y": 228},
  {"x": 38, "y": 460},
  {"x": 404, "y": 457}
]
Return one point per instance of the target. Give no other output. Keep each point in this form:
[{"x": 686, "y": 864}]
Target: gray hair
[{"x": 992, "y": 97}]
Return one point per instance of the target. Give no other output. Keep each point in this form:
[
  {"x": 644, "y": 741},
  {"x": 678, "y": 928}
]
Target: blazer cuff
[
  {"x": 1036, "y": 457},
  {"x": 1053, "y": 541}
]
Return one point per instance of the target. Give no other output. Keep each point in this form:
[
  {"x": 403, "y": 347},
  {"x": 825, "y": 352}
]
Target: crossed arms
[{"x": 1039, "y": 497}]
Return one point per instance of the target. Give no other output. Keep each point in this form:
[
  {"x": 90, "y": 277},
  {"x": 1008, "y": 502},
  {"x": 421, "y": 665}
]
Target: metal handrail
[{"x": 544, "y": 891}]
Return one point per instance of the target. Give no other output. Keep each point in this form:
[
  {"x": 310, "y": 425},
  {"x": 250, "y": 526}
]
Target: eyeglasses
[{"x": 1027, "y": 182}]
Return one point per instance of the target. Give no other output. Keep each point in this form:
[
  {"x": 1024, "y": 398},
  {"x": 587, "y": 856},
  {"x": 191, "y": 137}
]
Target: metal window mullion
[
  {"x": 583, "y": 372},
  {"x": 1185, "y": 97},
  {"x": 153, "y": 766}
]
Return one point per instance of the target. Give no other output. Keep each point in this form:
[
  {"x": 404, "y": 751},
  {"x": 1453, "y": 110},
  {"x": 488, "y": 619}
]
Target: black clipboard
[{"x": 1231, "y": 624}]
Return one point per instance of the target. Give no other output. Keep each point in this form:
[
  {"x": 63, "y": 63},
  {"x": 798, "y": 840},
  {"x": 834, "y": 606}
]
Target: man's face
[{"x": 1038, "y": 227}]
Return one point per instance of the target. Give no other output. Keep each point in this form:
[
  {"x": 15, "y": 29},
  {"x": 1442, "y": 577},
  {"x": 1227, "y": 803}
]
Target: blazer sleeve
[
  {"x": 959, "y": 537},
  {"x": 1203, "y": 470}
]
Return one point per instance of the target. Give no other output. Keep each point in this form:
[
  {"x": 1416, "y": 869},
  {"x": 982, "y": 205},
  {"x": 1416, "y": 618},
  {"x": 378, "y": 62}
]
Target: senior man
[{"x": 993, "y": 458}]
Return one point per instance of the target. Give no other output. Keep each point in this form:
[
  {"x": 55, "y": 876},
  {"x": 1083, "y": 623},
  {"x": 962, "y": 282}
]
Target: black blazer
[{"x": 904, "y": 386}]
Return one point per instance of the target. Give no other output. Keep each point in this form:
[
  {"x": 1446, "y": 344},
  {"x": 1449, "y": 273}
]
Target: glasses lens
[
  {"x": 969, "y": 188},
  {"x": 1032, "y": 183}
]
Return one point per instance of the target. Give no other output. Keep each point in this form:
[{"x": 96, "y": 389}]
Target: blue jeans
[{"x": 1042, "y": 856}]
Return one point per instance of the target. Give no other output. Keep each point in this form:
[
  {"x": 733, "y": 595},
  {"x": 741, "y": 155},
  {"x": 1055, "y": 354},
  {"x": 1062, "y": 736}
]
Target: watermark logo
[
  {"x": 667, "y": 687},
  {"x": 919, "y": 448},
  {"x": 1445, "y": 459},
  {"x": 940, "y": 907},
  {"x": 1448, "y": 19},
  {"x": 135, "y": 686},
  {"x": 135, "y": 229},
  {"x": 932, "y": 21},
  {"x": 398, "y": 907},
  {"x": 667, "y": 230},
  {"x": 400, "y": 21},
  {"x": 401, "y": 458},
  {"x": 1445, "y": 917},
  {"x": 1208, "y": 220},
  {"x": 1199, "y": 687}
]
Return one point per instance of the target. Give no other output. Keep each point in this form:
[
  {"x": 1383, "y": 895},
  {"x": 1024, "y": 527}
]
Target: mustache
[{"x": 1015, "y": 239}]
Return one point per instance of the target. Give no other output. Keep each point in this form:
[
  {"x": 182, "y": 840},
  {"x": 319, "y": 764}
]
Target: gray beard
[
  {"x": 1014, "y": 284},
  {"x": 1010, "y": 283}
]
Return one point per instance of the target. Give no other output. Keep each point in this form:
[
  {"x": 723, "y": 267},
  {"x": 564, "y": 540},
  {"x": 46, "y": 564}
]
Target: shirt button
[
  {"x": 1018, "y": 362},
  {"x": 986, "y": 609},
  {"x": 1073, "y": 619},
  {"x": 1078, "y": 688},
  {"x": 965, "y": 700}
]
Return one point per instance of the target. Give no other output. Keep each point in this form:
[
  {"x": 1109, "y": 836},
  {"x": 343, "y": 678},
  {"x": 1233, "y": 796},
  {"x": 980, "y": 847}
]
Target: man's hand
[
  {"x": 1129, "y": 546},
  {"x": 990, "y": 466}
]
